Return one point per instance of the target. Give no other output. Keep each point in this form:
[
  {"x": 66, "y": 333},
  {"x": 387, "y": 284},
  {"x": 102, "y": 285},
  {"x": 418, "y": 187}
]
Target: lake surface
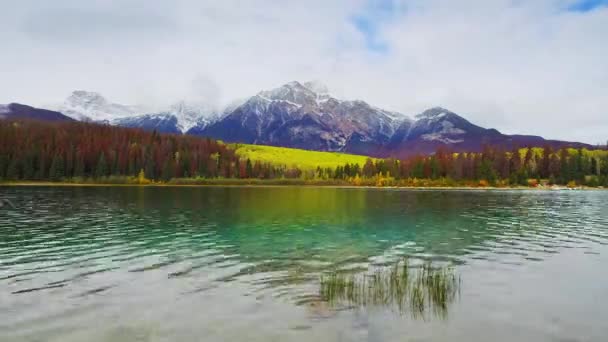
[{"x": 248, "y": 264}]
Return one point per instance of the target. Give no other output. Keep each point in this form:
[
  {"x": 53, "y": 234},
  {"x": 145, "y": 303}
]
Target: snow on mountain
[
  {"x": 317, "y": 87},
  {"x": 179, "y": 117},
  {"x": 91, "y": 106},
  {"x": 163, "y": 123},
  {"x": 191, "y": 114}
]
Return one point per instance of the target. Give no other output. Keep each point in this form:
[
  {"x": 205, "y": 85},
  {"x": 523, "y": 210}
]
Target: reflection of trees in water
[{"x": 417, "y": 291}]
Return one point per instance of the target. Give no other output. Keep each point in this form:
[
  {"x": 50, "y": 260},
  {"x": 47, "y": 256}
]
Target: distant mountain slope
[
  {"x": 177, "y": 118},
  {"x": 15, "y": 111},
  {"x": 162, "y": 123},
  {"x": 91, "y": 106},
  {"x": 306, "y": 116},
  {"x": 440, "y": 127}
]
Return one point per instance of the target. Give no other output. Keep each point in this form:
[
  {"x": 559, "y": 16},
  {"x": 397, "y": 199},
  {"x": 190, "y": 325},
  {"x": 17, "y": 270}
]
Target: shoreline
[{"x": 246, "y": 185}]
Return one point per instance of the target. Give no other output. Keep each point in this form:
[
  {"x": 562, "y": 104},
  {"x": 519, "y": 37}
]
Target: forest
[{"x": 92, "y": 153}]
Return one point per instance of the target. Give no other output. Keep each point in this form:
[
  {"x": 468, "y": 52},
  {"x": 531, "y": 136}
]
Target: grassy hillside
[{"x": 303, "y": 159}]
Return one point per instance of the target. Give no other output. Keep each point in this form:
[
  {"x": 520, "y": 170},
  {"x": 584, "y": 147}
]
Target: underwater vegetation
[{"x": 417, "y": 291}]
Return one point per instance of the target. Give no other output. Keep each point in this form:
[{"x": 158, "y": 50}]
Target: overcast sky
[{"x": 521, "y": 66}]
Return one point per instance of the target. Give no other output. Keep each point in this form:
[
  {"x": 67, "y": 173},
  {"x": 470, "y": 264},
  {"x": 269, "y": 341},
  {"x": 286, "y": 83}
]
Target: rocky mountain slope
[
  {"x": 437, "y": 127},
  {"x": 306, "y": 116}
]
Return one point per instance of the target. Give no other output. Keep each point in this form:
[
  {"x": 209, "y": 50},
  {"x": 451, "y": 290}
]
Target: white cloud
[{"x": 519, "y": 66}]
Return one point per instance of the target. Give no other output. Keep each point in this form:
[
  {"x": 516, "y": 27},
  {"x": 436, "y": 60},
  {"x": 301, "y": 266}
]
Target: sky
[{"x": 521, "y": 66}]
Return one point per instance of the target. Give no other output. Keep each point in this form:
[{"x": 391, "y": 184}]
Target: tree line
[
  {"x": 493, "y": 166},
  {"x": 33, "y": 150},
  {"x": 42, "y": 151}
]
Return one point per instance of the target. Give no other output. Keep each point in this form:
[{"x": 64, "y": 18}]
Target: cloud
[
  {"x": 90, "y": 25},
  {"x": 519, "y": 66}
]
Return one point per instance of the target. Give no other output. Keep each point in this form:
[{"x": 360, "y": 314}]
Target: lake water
[{"x": 249, "y": 264}]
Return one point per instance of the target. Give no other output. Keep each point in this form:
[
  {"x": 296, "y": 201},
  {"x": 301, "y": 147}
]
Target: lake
[{"x": 302, "y": 264}]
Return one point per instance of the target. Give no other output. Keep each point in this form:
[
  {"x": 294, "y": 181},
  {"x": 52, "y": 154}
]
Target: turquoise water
[{"x": 245, "y": 264}]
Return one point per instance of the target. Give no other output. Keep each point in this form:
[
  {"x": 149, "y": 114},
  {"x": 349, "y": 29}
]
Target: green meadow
[{"x": 303, "y": 159}]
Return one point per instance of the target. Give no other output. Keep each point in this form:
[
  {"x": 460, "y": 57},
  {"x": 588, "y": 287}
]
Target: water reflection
[{"x": 330, "y": 253}]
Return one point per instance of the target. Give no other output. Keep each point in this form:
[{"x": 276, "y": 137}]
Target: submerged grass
[{"x": 417, "y": 291}]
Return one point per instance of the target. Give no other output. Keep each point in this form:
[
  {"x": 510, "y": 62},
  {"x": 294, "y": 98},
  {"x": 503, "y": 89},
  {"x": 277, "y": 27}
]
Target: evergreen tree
[
  {"x": 487, "y": 172},
  {"x": 249, "y": 168},
  {"x": 3, "y": 165},
  {"x": 369, "y": 170},
  {"x": 12, "y": 172},
  {"x": 149, "y": 168},
  {"x": 102, "y": 167},
  {"x": 56, "y": 172},
  {"x": 41, "y": 172},
  {"x": 167, "y": 171},
  {"x": 79, "y": 167},
  {"x": 28, "y": 166}
]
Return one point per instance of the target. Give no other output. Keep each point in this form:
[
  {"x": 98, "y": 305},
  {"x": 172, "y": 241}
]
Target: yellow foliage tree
[{"x": 141, "y": 177}]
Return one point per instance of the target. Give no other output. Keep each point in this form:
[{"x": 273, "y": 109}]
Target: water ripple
[{"x": 82, "y": 243}]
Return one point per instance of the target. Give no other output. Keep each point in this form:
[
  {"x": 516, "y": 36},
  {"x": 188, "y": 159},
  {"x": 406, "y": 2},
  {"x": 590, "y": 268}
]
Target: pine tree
[
  {"x": 79, "y": 167},
  {"x": 56, "y": 172},
  {"x": 28, "y": 166},
  {"x": 102, "y": 167},
  {"x": 369, "y": 169},
  {"x": 41, "y": 169},
  {"x": 167, "y": 172},
  {"x": 149, "y": 168},
  {"x": 3, "y": 165},
  {"x": 486, "y": 172},
  {"x": 12, "y": 172}
]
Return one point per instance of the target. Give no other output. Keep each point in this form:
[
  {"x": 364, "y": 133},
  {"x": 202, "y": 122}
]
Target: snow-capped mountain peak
[
  {"x": 311, "y": 94},
  {"x": 190, "y": 114},
  {"x": 317, "y": 87},
  {"x": 91, "y": 106},
  {"x": 293, "y": 92},
  {"x": 434, "y": 113}
]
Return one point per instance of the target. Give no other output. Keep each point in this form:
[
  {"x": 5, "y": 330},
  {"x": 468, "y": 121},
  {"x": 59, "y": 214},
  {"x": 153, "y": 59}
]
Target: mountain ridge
[{"x": 306, "y": 115}]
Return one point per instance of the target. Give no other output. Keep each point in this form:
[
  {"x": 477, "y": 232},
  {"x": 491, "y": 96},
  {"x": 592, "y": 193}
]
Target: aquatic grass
[{"x": 408, "y": 290}]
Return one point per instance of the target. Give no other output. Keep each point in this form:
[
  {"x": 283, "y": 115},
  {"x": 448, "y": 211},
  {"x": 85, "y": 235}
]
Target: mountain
[
  {"x": 15, "y": 111},
  {"x": 91, "y": 106},
  {"x": 306, "y": 116},
  {"x": 179, "y": 118},
  {"x": 162, "y": 123},
  {"x": 437, "y": 127},
  {"x": 299, "y": 115}
]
